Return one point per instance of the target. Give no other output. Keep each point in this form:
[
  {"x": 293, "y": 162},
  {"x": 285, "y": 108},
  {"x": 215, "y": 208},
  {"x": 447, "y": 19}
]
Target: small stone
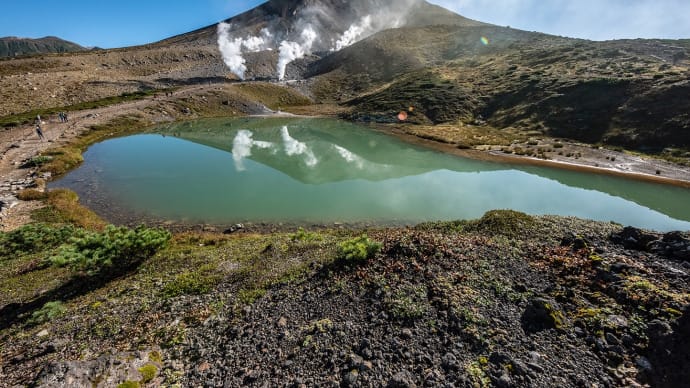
[
  {"x": 535, "y": 367},
  {"x": 406, "y": 333},
  {"x": 42, "y": 333},
  {"x": 504, "y": 381},
  {"x": 366, "y": 366},
  {"x": 350, "y": 378},
  {"x": 643, "y": 364},
  {"x": 355, "y": 360},
  {"x": 282, "y": 322},
  {"x": 612, "y": 339},
  {"x": 449, "y": 362},
  {"x": 401, "y": 380}
]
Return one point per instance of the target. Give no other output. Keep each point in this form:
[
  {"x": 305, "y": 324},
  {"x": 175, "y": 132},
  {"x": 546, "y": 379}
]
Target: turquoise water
[{"x": 322, "y": 171}]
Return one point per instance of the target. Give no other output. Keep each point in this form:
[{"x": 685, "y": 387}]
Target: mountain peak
[{"x": 12, "y": 46}]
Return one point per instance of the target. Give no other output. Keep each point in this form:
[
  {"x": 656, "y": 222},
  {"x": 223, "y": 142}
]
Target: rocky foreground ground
[{"x": 506, "y": 300}]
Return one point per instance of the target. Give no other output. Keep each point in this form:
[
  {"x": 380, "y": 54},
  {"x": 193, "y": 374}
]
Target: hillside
[
  {"x": 450, "y": 69},
  {"x": 628, "y": 93},
  {"x": 506, "y": 300},
  {"x": 14, "y": 47}
]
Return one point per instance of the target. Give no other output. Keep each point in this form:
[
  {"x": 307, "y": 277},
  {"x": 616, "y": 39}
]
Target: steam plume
[
  {"x": 310, "y": 29},
  {"x": 289, "y": 51},
  {"x": 231, "y": 49},
  {"x": 353, "y": 34}
]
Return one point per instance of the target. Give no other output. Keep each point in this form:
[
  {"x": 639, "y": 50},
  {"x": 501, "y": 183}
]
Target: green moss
[
  {"x": 596, "y": 259},
  {"x": 248, "y": 296},
  {"x": 148, "y": 372},
  {"x": 509, "y": 223},
  {"x": 156, "y": 356},
  {"x": 302, "y": 235},
  {"x": 320, "y": 326},
  {"x": 556, "y": 316},
  {"x": 408, "y": 303},
  {"x": 198, "y": 282},
  {"x": 129, "y": 384}
]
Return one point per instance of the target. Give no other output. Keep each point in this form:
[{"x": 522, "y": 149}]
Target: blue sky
[{"x": 118, "y": 23}]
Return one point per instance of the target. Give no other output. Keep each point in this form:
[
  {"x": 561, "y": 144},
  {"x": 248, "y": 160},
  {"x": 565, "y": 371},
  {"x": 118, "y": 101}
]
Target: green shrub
[
  {"x": 37, "y": 161},
  {"x": 358, "y": 249},
  {"x": 93, "y": 251},
  {"x": 47, "y": 313},
  {"x": 32, "y": 238}
]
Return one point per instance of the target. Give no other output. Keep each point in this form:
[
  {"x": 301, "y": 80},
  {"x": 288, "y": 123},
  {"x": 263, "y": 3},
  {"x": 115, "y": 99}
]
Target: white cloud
[{"x": 588, "y": 19}]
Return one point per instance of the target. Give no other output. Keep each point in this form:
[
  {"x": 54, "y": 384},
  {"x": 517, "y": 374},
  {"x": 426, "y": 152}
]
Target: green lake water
[{"x": 321, "y": 171}]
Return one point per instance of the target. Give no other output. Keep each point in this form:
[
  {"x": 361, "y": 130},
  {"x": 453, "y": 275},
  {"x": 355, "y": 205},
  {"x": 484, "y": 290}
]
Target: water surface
[{"x": 322, "y": 171}]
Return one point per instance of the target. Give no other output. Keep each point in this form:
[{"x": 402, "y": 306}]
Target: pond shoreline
[
  {"x": 638, "y": 168},
  {"x": 20, "y": 144}
]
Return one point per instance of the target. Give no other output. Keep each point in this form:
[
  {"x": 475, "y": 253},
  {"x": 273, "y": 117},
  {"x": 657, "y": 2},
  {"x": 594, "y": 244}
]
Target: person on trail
[
  {"x": 61, "y": 117},
  {"x": 39, "y": 132},
  {"x": 38, "y": 119}
]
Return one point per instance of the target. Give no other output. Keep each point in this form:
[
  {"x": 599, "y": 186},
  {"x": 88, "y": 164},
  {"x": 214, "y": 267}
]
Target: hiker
[
  {"x": 38, "y": 120},
  {"x": 64, "y": 116},
  {"x": 39, "y": 132}
]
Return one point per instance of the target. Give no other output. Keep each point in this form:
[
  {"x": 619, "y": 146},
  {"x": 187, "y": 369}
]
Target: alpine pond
[{"x": 322, "y": 171}]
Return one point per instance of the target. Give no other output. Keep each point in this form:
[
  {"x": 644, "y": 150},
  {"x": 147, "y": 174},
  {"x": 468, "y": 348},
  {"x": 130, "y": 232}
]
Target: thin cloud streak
[{"x": 587, "y": 19}]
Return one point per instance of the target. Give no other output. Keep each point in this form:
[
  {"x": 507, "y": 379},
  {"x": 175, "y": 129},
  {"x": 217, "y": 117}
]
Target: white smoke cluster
[
  {"x": 289, "y": 51},
  {"x": 311, "y": 25},
  {"x": 233, "y": 49},
  {"x": 353, "y": 34}
]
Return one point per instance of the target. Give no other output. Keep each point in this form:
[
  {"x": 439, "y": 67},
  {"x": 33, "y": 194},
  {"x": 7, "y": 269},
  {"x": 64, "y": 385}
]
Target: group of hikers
[{"x": 62, "y": 116}]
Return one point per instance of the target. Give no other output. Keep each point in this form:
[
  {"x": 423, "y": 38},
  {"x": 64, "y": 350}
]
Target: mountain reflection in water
[{"x": 324, "y": 170}]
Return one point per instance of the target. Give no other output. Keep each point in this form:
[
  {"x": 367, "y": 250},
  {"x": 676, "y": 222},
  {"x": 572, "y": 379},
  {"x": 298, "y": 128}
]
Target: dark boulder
[
  {"x": 633, "y": 238},
  {"x": 542, "y": 314}
]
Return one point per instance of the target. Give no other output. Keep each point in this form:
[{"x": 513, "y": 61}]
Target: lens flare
[
  {"x": 485, "y": 40},
  {"x": 402, "y": 116}
]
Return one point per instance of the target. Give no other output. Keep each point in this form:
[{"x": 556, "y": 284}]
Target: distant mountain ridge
[{"x": 13, "y": 46}]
